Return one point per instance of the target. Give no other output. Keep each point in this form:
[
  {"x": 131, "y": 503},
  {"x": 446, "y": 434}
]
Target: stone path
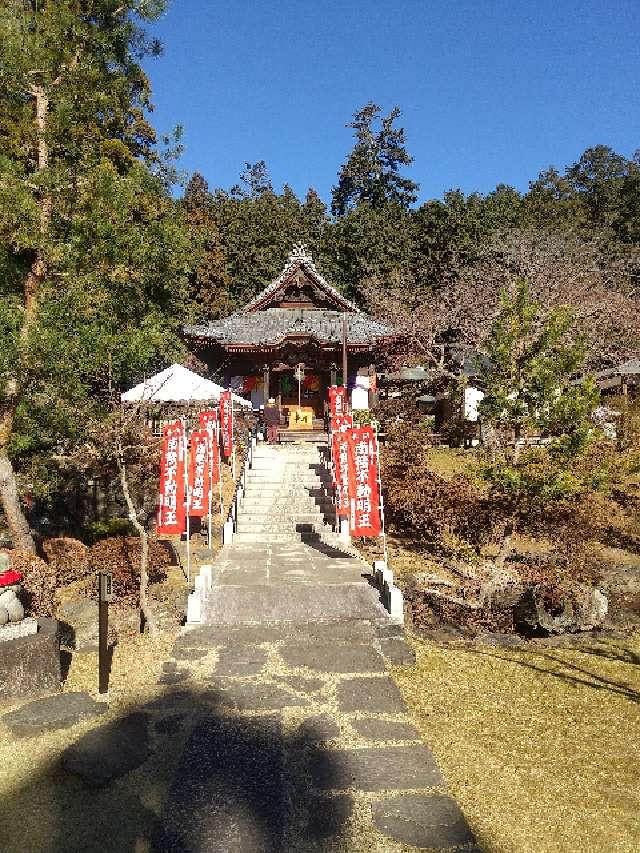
[
  {"x": 302, "y": 740},
  {"x": 279, "y": 728}
]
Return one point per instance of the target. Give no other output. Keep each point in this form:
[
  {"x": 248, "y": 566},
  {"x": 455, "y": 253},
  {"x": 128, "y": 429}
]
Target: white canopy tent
[{"x": 176, "y": 384}]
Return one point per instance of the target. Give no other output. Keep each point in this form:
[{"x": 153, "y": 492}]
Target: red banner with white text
[
  {"x": 337, "y": 400},
  {"x": 198, "y": 490},
  {"x": 341, "y": 473},
  {"x": 208, "y": 419},
  {"x": 226, "y": 423},
  {"x": 171, "y": 510},
  {"x": 364, "y": 496},
  {"x": 341, "y": 423}
]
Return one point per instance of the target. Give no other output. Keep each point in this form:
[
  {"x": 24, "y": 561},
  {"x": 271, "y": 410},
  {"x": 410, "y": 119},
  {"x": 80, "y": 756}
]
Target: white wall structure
[
  {"x": 472, "y": 396},
  {"x": 360, "y": 393}
]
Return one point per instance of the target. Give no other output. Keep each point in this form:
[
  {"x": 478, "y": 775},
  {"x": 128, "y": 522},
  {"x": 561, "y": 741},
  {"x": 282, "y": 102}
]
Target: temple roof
[
  {"x": 299, "y": 303},
  {"x": 272, "y": 326}
]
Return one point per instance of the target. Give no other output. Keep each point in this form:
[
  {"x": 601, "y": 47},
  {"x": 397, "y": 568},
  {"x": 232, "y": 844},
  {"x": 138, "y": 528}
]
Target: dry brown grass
[{"x": 541, "y": 748}]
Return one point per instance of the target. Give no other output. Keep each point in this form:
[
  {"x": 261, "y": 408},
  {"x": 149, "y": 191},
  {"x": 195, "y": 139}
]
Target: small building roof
[
  {"x": 631, "y": 367},
  {"x": 177, "y": 384}
]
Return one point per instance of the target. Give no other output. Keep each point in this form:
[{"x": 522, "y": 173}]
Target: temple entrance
[{"x": 313, "y": 390}]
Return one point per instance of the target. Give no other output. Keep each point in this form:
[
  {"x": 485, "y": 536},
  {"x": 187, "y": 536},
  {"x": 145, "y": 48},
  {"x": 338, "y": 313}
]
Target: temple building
[{"x": 288, "y": 342}]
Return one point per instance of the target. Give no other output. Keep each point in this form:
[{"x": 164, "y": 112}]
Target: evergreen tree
[
  {"x": 371, "y": 172},
  {"x": 95, "y": 253}
]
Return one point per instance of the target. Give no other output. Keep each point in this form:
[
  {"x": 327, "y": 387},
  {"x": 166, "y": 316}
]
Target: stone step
[
  {"x": 269, "y": 479},
  {"x": 267, "y": 537},
  {"x": 235, "y": 605},
  {"x": 272, "y": 525},
  {"x": 292, "y": 519}
]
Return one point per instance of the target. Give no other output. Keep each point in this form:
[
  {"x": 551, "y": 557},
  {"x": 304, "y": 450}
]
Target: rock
[
  {"x": 4, "y": 615},
  {"x": 585, "y": 609},
  {"x": 110, "y": 751},
  {"x": 79, "y": 623},
  {"x": 53, "y": 712},
  {"x": 9, "y": 593},
  {"x": 4, "y": 561},
  {"x": 30, "y": 665},
  {"x": 432, "y": 821}
]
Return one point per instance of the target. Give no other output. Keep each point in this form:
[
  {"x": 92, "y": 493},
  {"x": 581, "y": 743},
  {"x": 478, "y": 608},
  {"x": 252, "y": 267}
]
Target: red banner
[
  {"x": 337, "y": 400},
  {"x": 214, "y": 455},
  {"x": 198, "y": 490},
  {"x": 208, "y": 419},
  {"x": 364, "y": 497},
  {"x": 226, "y": 423},
  {"x": 341, "y": 473},
  {"x": 341, "y": 423},
  {"x": 171, "y": 510}
]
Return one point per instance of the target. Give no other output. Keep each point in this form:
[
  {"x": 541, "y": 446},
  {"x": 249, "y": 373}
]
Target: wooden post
[
  {"x": 265, "y": 377},
  {"x": 105, "y": 595},
  {"x": 344, "y": 356}
]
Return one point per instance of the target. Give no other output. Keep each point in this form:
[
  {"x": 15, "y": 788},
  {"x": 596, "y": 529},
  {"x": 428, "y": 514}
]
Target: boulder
[
  {"x": 4, "y": 615},
  {"x": 583, "y": 609},
  {"x": 79, "y": 623}
]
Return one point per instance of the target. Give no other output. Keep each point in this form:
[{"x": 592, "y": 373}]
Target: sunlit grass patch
[{"x": 541, "y": 747}]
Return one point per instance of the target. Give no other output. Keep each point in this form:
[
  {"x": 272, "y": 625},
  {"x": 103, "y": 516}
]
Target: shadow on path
[{"x": 210, "y": 780}]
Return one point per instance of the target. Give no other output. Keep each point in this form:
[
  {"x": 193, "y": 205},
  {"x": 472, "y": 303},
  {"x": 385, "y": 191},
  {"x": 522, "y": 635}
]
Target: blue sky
[{"x": 491, "y": 91}]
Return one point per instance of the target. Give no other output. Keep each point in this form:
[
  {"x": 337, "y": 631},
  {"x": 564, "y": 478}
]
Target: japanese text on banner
[
  {"x": 198, "y": 491},
  {"x": 171, "y": 510},
  {"x": 338, "y": 400},
  {"x": 341, "y": 473},
  {"x": 208, "y": 419},
  {"x": 364, "y": 497},
  {"x": 226, "y": 423}
]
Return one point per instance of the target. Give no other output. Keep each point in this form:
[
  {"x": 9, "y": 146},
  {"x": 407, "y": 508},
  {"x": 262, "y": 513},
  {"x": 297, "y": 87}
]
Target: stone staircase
[
  {"x": 283, "y": 558},
  {"x": 287, "y": 497}
]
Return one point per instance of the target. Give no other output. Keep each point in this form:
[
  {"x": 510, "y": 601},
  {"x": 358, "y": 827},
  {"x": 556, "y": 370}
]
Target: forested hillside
[{"x": 440, "y": 265}]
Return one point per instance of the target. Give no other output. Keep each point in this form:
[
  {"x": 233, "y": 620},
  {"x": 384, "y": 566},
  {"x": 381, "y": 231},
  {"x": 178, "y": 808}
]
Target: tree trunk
[
  {"x": 144, "y": 542},
  {"x": 16, "y": 520}
]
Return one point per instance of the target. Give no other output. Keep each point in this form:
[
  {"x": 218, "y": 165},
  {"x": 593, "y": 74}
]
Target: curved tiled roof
[
  {"x": 273, "y": 325},
  {"x": 300, "y": 257}
]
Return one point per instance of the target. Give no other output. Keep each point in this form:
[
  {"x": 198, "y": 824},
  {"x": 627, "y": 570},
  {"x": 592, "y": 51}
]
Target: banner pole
[
  {"x": 210, "y": 486},
  {"x": 186, "y": 467},
  {"x": 219, "y": 460},
  {"x": 381, "y": 499}
]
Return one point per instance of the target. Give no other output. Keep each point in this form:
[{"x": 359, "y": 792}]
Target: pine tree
[{"x": 371, "y": 172}]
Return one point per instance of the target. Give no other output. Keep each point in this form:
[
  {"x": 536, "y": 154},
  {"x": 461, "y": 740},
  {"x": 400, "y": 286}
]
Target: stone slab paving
[
  {"x": 432, "y": 821},
  {"x": 333, "y": 658},
  {"x": 377, "y": 728},
  {"x": 376, "y": 769},
  {"x": 302, "y": 734},
  {"x": 53, "y": 712},
  {"x": 111, "y": 751},
  {"x": 370, "y": 695}
]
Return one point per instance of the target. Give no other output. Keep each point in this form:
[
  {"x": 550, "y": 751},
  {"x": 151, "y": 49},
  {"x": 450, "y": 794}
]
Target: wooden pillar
[
  {"x": 334, "y": 374},
  {"x": 265, "y": 375}
]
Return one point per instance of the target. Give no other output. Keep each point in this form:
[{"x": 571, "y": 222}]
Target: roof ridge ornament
[{"x": 300, "y": 253}]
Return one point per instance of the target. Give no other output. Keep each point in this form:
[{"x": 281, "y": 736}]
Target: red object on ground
[{"x": 10, "y": 577}]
